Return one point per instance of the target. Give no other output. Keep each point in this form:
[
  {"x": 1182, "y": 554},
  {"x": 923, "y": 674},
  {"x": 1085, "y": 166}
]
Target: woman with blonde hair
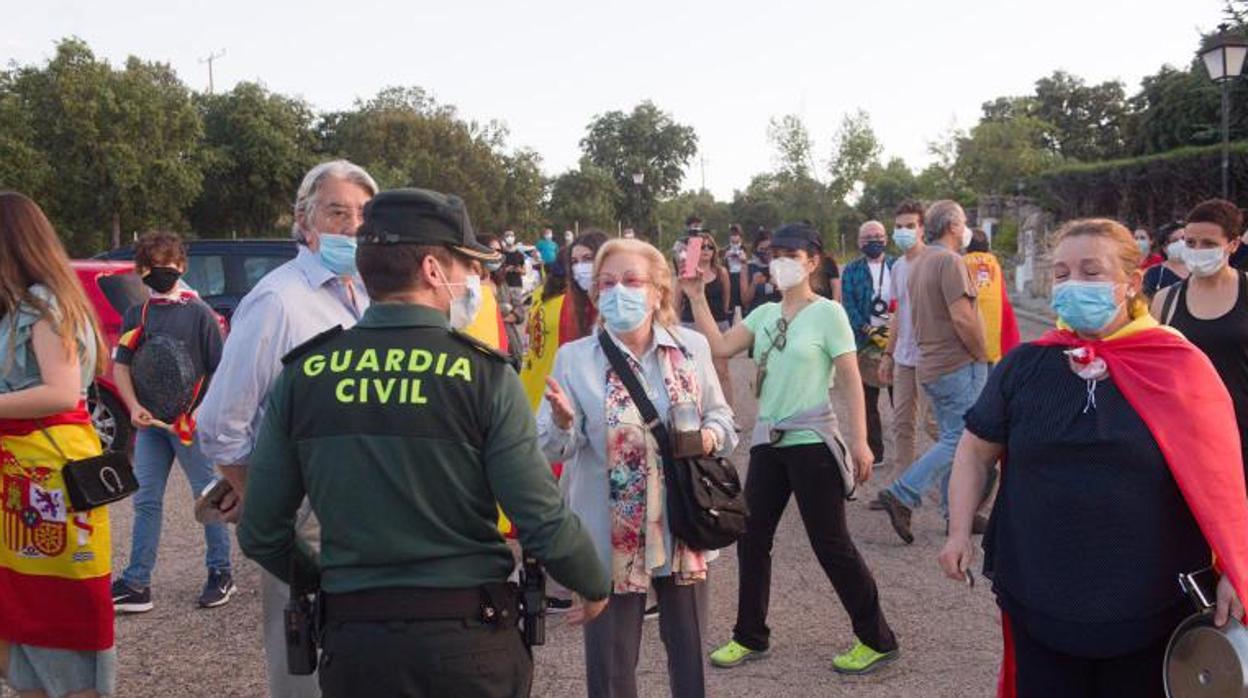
[
  {"x": 56, "y": 613},
  {"x": 1106, "y": 498},
  {"x": 613, "y": 468}
]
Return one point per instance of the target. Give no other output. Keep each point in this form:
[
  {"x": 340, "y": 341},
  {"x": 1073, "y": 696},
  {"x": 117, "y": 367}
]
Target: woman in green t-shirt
[{"x": 799, "y": 344}]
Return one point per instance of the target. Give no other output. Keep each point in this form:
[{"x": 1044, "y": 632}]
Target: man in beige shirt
[{"x": 953, "y": 359}]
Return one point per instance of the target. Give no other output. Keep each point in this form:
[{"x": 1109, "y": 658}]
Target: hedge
[{"x": 1148, "y": 190}]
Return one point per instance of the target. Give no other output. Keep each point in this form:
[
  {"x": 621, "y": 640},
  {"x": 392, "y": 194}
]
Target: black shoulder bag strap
[
  {"x": 648, "y": 412},
  {"x": 1168, "y": 306}
]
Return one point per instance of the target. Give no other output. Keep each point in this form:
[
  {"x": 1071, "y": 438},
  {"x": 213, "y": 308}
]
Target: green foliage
[
  {"x": 998, "y": 153},
  {"x": 405, "y": 138},
  {"x": 647, "y": 141},
  {"x": 122, "y": 143},
  {"x": 716, "y": 216},
  {"x": 257, "y": 146},
  {"x": 1145, "y": 190},
  {"x": 583, "y": 197},
  {"x": 792, "y": 143},
  {"x": 856, "y": 149},
  {"x": 884, "y": 187}
]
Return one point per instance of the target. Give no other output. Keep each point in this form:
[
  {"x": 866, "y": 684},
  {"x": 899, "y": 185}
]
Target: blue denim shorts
[{"x": 58, "y": 672}]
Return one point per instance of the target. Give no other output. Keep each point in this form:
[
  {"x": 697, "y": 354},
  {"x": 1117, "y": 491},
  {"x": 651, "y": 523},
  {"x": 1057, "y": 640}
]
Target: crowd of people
[{"x": 408, "y": 411}]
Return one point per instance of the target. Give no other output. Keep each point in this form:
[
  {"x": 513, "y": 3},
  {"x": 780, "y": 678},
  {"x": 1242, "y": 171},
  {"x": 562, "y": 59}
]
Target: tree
[
  {"x": 257, "y": 147},
  {"x": 884, "y": 187},
  {"x": 123, "y": 143},
  {"x": 856, "y": 149},
  {"x": 584, "y": 197},
  {"x": 405, "y": 138},
  {"x": 646, "y": 141},
  {"x": 792, "y": 143},
  {"x": 716, "y": 216},
  {"x": 23, "y": 166},
  {"x": 1087, "y": 120},
  {"x": 997, "y": 154}
]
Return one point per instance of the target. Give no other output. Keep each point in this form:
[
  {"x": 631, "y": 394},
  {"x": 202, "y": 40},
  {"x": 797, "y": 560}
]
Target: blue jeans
[
  {"x": 154, "y": 451},
  {"x": 951, "y": 396}
]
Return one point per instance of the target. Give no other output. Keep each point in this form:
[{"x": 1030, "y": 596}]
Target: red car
[{"x": 112, "y": 287}]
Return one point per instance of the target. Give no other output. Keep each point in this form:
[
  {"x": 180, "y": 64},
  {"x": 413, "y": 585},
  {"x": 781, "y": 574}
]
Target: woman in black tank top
[{"x": 1210, "y": 308}]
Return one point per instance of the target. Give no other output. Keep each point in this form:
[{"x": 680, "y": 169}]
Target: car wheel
[{"x": 110, "y": 419}]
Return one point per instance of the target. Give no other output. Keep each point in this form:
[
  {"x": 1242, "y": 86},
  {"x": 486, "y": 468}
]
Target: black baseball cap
[
  {"x": 422, "y": 217},
  {"x": 797, "y": 236}
]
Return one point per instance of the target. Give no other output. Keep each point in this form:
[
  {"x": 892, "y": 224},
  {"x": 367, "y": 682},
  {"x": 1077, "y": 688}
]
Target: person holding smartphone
[{"x": 717, "y": 280}]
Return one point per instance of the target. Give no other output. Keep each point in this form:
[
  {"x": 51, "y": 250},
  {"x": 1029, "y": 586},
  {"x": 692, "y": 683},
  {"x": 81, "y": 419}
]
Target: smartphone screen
[{"x": 693, "y": 255}]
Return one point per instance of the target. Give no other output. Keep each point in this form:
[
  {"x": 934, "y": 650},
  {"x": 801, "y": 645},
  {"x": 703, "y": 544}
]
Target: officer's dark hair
[{"x": 389, "y": 270}]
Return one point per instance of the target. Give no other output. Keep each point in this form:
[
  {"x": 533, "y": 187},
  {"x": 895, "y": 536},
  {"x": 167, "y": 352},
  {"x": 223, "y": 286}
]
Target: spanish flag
[
  {"x": 544, "y": 341},
  {"x": 1161, "y": 375},
  {"x": 1000, "y": 326},
  {"x": 487, "y": 327}
]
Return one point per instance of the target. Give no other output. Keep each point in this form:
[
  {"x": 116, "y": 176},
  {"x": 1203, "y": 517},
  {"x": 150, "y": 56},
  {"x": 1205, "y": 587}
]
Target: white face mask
[
  {"x": 1175, "y": 250},
  {"x": 509, "y": 239},
  {"x": 966, "y": 237},
  {"x": 1204, "y": 263},
  {"x": 787, "y": 272},
  {"x": 583, "y": 274},
  {"x": 464, "y": 308}
]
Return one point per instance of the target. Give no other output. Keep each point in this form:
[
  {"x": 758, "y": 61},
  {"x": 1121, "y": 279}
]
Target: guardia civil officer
[{"x": 403, "y": 434}]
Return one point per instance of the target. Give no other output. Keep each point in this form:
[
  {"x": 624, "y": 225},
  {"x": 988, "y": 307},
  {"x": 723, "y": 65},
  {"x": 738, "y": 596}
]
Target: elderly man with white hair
[
  {"x": 953, "y": 357},
  {"x": 867, "y": 294},
  {"x": 304, "y": 297}
]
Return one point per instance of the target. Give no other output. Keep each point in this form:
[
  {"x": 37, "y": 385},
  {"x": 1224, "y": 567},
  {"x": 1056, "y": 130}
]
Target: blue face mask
[
  {"x": 337, "y": 253},
  {"x": 905, "y": 238},
  {"x": 624, "y": 309},
  {"x": 873, "y": 249},
  {"x": 1087, "y": 306}
]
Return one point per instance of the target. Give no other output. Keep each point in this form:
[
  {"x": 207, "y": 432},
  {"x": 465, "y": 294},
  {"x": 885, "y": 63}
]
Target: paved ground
[{"x": 949, "y": 634}]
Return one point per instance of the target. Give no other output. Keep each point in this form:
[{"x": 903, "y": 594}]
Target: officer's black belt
[{"x": 491, "y": 603}]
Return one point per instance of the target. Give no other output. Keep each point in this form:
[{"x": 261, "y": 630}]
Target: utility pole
[
  {"x": 209, "y": 60},
  {"x": 703, "y": 173}
]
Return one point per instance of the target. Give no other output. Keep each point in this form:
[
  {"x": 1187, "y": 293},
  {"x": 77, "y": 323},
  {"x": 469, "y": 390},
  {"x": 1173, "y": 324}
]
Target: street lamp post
[
  {"x": 639, "y": 178},
  {"x": 1224, "y": 59}
]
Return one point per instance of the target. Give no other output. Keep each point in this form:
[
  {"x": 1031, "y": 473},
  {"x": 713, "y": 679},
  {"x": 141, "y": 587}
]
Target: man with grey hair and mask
[
  {"x": 312, "y": 293},
  {"x": 953, "y": 357}
]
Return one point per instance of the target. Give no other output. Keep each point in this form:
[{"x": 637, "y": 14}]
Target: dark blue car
[{"x": 223, "y": 271}]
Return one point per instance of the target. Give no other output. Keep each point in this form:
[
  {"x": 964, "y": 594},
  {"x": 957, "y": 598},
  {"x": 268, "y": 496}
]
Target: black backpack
[{"x": 705, "y": 501}]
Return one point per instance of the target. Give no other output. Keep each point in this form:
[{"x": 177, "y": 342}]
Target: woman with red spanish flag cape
[
  {"x": 1000, "y": 326},
  {"x": 56, "y": 614},
  {"x": 1123, "y": 471}
]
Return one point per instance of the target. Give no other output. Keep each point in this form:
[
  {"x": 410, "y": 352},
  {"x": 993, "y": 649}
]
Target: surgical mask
[
  {"x": 1204, "y": 263},
  {"x": 787, "y": 272},
  {"x": 1175, "y": 250},
  {"x": 493, "y": 266},
  {"x": 624, "y": 309},
  {"x": 509, "y": 240},
  {"x": 1086, "y": 306},
  {"x": 872, "y": 249},
  {"x": 568, "y": 237},
  {"x": 1144, "y": 246},
  {"x": 548, "y": 235},
  {"x": 464, "y": 308},
  {"x": 337, "y": 253},
  {"x": 905, "y": 238},
  {"x": 161, "y": 279},
  {"x": 583, "y": 274},
  {"x": 967, "y": 236}
]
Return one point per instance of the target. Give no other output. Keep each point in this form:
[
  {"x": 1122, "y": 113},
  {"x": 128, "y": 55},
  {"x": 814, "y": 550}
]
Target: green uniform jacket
[{"x": 403, "y": 435}]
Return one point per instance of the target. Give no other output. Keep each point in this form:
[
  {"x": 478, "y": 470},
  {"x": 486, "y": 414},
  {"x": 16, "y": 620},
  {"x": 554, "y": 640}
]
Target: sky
[{"x": 726, "y": 67}]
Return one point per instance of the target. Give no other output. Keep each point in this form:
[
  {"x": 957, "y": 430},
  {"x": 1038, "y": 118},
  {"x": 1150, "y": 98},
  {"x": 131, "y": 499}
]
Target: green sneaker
[
  {"x": 862, "y": 660},
  {"x": 734, "y": 653}
]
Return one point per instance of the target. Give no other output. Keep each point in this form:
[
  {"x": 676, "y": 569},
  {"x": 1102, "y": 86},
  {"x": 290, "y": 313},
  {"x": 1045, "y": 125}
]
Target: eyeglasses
[{"x": 607, "y": 282}]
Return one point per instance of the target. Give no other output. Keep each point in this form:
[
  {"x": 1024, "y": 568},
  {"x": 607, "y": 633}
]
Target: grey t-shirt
[
  {"x": 189, "y": 320},
  {"x": 905, "y": 348}
]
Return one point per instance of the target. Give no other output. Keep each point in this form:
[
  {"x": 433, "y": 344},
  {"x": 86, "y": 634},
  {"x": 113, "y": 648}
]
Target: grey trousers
[
  {"x": 613, "y": 641},
  {"x": 273, "y": 597}
]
